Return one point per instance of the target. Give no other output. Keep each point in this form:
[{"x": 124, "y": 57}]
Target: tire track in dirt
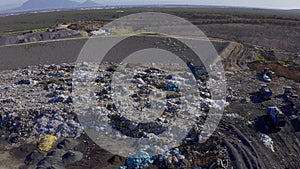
[
  {"x": 241, "y": 149},
  {"x": 231, "y": 57}
]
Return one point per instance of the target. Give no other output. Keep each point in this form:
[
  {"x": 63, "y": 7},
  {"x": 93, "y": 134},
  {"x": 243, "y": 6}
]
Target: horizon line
[{"x": 10, "y": 11}]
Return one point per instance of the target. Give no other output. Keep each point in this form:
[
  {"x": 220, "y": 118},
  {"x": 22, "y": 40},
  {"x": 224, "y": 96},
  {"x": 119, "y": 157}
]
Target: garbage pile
[
  {"x": 139, "y": 160},
  {"x": 172, "y": 156},
  {"x": 35, "y": 101},
  {"x": 58, "y": 126},
  {"x": 140, "y": 102},
  {"x": 192, "y": 155},
  {"x": 16, "y": 125},
  {"x": 142, "y": 158}
]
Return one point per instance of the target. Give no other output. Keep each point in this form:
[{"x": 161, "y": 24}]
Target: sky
[{"x": 276, "y": 4}]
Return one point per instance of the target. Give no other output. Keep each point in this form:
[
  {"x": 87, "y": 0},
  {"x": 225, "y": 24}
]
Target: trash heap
[
  {"x": 143, "y": 102},
  {"x": 139, "y": 160},
  {"x": 16, "y": 125},
  {"x": 35, "y": 101},
  {"x": 126, "y": 98},
  {"x": 142, "y": 158},
  {"x": 58, "y": 126},
  {"x": 172, "y": 156}
]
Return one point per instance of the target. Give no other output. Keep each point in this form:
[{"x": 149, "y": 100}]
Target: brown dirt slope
[{"x": 288, "y": 72}]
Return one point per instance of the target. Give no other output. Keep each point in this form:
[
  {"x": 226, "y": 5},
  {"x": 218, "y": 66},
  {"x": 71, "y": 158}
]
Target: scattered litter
[
  {"x": 61, "y": 98},
  {"x": 233, "y": 115},
  {"x": 267, "y": 141},
  {"x": 122, "y": 167},
  {"x": 99, "y": 32}
]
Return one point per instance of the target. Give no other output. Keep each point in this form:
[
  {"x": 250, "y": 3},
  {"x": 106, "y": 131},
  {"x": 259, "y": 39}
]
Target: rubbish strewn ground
[{"x": 43, "y": 92}]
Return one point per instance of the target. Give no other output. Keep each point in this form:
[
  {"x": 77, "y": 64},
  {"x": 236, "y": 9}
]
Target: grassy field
[{"x": 36, "y": 21}]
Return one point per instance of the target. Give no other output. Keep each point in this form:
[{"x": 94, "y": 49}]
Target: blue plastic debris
[
  {"x": 196, "y": 70},
  {"x": 174, "y": 151},
  {"x": 173, "y": 86},
  {"x": 139, "y": 160}
]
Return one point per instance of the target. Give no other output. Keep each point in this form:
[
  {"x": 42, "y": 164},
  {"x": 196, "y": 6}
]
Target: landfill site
[{"x": 41, "y": 128}]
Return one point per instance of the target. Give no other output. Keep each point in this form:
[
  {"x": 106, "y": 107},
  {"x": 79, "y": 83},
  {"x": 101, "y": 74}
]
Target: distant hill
[
  {"x": 32, "y": 5},
  {"x": 89, "y": 3},
  {"x": 295, "y": 10}
]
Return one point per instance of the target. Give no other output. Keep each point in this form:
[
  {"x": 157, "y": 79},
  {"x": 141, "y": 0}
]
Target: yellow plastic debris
[
  {"x": 46, "y": 142},
  {"x": 272, "y": 149}
]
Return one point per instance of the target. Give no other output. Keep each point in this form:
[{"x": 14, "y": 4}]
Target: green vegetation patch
[
  {"x": 23, "y": 32},
  {"x": 260, "y": 58}
]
